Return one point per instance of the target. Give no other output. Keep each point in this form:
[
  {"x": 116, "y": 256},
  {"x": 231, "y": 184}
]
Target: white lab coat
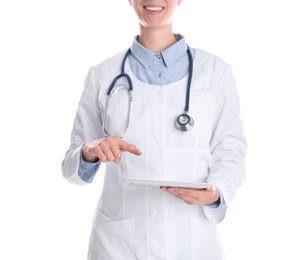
[{"x": 146, "y": 223}]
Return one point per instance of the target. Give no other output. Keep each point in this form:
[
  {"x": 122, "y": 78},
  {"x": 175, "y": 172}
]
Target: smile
[{"x": 153, "y": 8}]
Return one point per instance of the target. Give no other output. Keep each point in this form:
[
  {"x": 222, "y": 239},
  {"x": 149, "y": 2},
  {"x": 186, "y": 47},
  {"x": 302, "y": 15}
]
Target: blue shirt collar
[{"x": 169, "y": 55}]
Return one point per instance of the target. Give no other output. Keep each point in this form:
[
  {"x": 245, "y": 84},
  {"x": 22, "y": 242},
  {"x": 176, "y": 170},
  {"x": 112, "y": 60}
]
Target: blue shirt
[{"x": 157, "y": 68}]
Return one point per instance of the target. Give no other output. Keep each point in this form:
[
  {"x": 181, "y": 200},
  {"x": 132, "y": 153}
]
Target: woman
[{"x": 169, "y": 223}]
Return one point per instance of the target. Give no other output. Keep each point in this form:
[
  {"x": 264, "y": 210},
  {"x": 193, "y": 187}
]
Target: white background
[{"x": 46, "y": 50}]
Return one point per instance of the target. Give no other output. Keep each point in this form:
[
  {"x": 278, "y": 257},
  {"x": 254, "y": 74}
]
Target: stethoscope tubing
[
  {"x": 183, "y": 126},
  {"x": 122, "y": 75},
  {"x": 189, "y": 81}
]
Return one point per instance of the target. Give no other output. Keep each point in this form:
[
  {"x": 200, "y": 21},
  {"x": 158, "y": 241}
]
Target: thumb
[{"x": 211, "y": 188}]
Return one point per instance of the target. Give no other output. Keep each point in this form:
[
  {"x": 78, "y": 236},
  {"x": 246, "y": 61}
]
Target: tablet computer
[{"x": 160, "y": 183}]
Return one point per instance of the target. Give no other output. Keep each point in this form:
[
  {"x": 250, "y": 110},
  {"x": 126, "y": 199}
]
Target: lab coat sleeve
[
  {"x": 228, "y": 146},
  {"x": 87, "y": 126}
]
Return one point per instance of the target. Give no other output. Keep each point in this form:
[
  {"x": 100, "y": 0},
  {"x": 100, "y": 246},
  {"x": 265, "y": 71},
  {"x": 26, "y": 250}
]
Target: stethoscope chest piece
[{"x": 184, "y": 122}]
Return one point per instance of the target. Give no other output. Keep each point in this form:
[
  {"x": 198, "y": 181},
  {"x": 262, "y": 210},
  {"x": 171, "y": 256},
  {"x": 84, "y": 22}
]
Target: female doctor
[{"x": 181, "y": 124}]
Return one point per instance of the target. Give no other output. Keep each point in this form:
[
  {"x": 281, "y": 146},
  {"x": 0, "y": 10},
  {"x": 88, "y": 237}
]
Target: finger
[
  {"x": 117, "y": 146},
  {"x": 190, "y": 196},
  {"x": 117, "y": 153},
  {"x": 126, "y": 147},
  {"x": 112, "y": 147},
  {"x": 104, "y": 152},
  {"x": 109, "y": 154},
  {"x": 211, "y": 189},
  {"x": 101, "y": 156},
  {"x": 191, "y": 193},
  {"x": 187, "y": 199}
]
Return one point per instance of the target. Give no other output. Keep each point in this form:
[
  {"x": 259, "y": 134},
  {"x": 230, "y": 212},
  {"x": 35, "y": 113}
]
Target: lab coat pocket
[
  {"x": 112, "y": 240},
  {"x": 206, "y": 240}
]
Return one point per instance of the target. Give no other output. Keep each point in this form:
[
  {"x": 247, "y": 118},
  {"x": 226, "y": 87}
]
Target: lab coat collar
[{"x": 169, "y": 55}]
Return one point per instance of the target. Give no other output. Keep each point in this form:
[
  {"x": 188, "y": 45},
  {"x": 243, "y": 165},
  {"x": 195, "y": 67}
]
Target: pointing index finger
[{"x": 126, "y": 147}]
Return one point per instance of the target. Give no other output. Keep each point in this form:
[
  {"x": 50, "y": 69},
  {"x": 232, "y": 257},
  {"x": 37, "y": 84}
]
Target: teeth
[{"x": 153, "y": 8}]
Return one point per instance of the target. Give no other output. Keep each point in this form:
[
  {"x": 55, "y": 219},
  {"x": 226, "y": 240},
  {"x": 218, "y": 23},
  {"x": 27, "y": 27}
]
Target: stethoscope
[{"x": 183, "y": 122}]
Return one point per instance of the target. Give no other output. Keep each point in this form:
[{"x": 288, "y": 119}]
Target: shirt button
[
  {"x": 158, "y": 56},
  {"x": 159, "y": 74}
]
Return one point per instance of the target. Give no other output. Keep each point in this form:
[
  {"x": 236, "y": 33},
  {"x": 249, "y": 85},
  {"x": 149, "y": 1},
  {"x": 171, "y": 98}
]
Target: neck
[{"x": 157, "y": 40}]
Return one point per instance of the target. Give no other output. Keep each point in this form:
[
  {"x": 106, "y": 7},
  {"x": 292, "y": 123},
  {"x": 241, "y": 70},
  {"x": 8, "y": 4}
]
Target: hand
[
  {"x": 194, "y": 196},
  {"x": 107, "y": 149}
]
